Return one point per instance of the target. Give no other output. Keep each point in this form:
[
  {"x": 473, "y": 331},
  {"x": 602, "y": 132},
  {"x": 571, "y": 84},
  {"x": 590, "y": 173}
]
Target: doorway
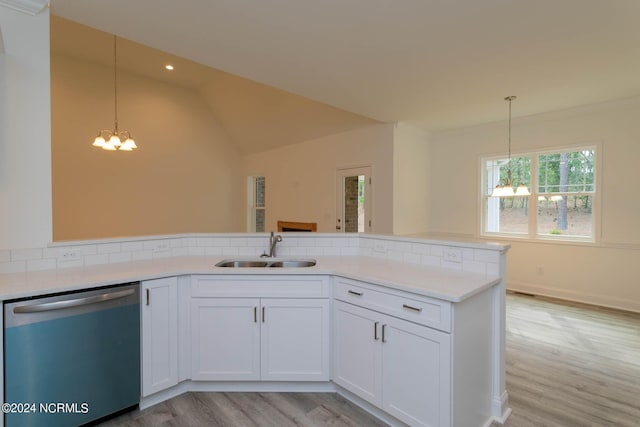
[{"x": 353, "y": 200}]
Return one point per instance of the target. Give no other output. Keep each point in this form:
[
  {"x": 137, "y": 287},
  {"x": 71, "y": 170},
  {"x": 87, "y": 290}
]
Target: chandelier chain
[
  {"x": 115, "y": 139},
  {"x": 115, "y": 82},
  {"x": 510, "y": 98}
]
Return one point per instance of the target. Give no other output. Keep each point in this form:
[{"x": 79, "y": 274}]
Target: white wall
[
  {"x": 1, "y": 41},
  {"x": 300, "y": 178},
  {"x": 605, "y": 273},
  {"x": 25, "y": 140},
  {"x": 410, "y": 179}
]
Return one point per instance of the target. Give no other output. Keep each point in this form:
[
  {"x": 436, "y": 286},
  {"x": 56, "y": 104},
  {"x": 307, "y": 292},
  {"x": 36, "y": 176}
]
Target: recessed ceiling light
[{"x": 169, "y": 67}]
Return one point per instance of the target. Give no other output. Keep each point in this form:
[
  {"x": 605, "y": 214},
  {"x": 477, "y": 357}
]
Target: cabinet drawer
[
  {"x": 241, "y": 286},
  {"x": 404, "y": 305}
]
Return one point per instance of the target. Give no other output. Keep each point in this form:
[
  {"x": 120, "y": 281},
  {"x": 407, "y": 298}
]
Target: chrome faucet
[{"x": 273, "y": 241}]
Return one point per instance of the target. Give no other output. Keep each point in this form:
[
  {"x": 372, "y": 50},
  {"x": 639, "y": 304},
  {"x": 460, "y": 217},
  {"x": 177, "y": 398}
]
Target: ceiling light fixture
[
  {"x": 169, "y": 67},
  {"x": 506, "y": 190},
  {"x": 112, "y": 140}
]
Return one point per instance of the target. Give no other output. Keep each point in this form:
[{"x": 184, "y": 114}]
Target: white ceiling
[{"x": 437, "y": 64}]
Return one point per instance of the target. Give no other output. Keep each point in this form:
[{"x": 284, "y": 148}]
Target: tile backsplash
[{"x": 472, "y": 257}]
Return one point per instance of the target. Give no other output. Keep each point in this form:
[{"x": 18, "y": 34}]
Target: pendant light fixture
[
  {"x": 506, "y": 190},
  {"x": 112, "y": 140}
]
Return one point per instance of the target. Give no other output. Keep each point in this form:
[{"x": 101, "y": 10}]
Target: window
[
  {"x": 561, "y": 205},
  {"x": 256, "y": 203}
]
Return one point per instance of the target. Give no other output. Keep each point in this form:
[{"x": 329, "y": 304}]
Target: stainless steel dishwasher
[{"x": 72, "y": 358}]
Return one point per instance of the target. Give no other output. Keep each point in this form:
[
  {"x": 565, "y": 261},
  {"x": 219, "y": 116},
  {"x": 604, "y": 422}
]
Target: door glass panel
[
  {"x": 354, "y": 204},
  {"x": 353, "y": 200}
]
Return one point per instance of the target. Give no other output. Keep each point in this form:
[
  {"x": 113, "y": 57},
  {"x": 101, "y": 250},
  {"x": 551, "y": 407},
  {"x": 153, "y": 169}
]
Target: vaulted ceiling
[
  {"x": 256, "y": 117},
  {"x": 432, "y": 63}
]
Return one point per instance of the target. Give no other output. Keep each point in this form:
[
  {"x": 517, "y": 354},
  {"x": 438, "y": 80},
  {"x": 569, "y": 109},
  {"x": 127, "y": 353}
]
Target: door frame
[{"x": 341, "y": 173}]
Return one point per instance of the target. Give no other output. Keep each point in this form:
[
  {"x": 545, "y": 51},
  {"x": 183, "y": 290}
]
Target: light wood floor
[
  {"x": 567, "y": 365},
  {"x": 571, "y": 364},
  {"x": 250, "y": 409}
]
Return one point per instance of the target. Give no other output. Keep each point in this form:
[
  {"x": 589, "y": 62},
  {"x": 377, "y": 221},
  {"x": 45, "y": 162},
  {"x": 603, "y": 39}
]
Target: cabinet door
[
  {"x": 416, "y": 373},
  {"x": 357, "y": 361},
  {"x": 295, "y": 339},
  {"x": 225, "y": 338},
  {"x": 159, "y": 334}
]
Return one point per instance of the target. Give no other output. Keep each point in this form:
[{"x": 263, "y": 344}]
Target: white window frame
[
  {"x": 251, "y": 202},
  {"x": 532, "y": 229}
]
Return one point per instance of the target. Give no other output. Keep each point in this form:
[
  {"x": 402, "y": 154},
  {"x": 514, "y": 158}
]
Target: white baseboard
[
  {"x": 257, "y": 386},
  {"x": 366, "y": 406},
  {"x": 237, "y": 386},
  {"x": 161, "y": 396},
  {"x": 600, "y": 300},
  {"x": 501, "y": 410}
]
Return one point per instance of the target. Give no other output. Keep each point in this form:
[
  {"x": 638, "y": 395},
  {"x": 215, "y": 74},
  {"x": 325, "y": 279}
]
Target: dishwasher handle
[{"x": 58, "y": 305}]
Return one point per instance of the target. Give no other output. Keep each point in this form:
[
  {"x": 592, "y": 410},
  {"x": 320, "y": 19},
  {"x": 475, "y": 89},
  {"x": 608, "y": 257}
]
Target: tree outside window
[{"x": 562, "y": 185}]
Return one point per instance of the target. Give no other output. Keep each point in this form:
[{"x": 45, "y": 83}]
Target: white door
[
  {"x": 159, "y": 334},
  {"x": 225, "y": 337},
  {"x": 357, "y": 361},
  {"x": 416, "y": 373},
  {"x": 295, "y": 339},
  {"x": 353, "y": 200}
]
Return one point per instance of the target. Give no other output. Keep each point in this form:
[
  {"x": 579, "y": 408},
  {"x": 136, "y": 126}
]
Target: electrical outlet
[
  {"x": 70, "y": 256},
  {"x": 453, "y": 254},
  {"x": 380, "y": 247},
  {"x": 161, "y": 247}
]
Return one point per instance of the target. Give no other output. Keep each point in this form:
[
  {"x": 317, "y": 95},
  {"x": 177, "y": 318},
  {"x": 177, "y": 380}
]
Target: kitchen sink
[
  {"x": 293, "y": 263},
  {"x": 280, "y": 263},
  {"x": 241, "y": 263}
]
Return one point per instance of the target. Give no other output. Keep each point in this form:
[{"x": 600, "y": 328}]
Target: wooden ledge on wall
[{"x": 297, "y": 226}]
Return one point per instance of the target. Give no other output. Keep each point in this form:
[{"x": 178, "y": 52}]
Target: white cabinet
[
  {"x": 423, "y": 360},
  {"x": 294, "y": 339},
  {"x": 262, "y": 338},
  {"x": 357, "y": 358},
  {"x": 225, "y": 339},
  {"x": 159, "y": 334},
  {"x": 415, "y": 373},
  {"x": 399, "y": 366}
]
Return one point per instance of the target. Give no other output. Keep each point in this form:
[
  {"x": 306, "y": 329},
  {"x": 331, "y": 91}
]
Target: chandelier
[
  {"x": 115, "y": 139},
  {"x": 506, "y": 189}
]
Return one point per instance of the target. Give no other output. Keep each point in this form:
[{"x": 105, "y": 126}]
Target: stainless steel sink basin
[
  {"x": 278, "y": 263},
  {"x": 293, "y": 263},
  {"x": 241, "y": 263}
]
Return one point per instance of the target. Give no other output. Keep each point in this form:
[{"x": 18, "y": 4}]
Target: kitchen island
[{"x": 452, "y": 314}]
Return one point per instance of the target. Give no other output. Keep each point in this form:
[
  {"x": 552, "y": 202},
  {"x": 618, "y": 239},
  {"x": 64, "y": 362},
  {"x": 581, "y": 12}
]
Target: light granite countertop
[{"x": 443, "y": 284}]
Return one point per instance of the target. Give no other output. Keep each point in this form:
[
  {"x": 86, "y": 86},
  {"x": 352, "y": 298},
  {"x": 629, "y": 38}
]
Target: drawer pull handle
[
  {"x": 383, "y": 330},
  {"x": 375, "y": 331},
  {"x": 408, "y": 307},
  {"x": 355, "y": 293},
  {"x": 255, "y": 314}
]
